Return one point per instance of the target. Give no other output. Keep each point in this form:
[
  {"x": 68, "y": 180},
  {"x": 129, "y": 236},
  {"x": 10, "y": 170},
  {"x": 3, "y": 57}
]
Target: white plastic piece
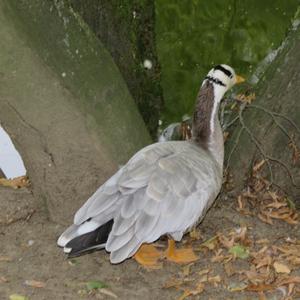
[{"x": 11, "y": 162}]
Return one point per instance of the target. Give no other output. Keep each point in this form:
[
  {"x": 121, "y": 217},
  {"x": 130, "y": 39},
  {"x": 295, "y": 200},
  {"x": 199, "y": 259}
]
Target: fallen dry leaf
[
  {"x": 35, "y": 283},
  {"x": 15, "y": 183},
  {"x": 195, "y": 234},
  {"x": 237, "y": 287},
  {"x": 295, "y": 150},
  {"x": 173, "y": 282},
  {"x": 214, "y": 279},
  {"x": 210, "y": 243},
  {"x": 187, "y": 269},
  {"x": 288, "y": 280},
  {"x": 291, "y": 287},
  {"x": 257, "y": 167},
  {"x": 3, "y": 279},
  {"x": 5, "y": 258},
  {"x": 262, "y": 241},
  {"x": 198, "y": 290},
  {"x": 229, "y": 269},
  {"x": 281, "y": 268},
  {"x": 261, "y": 296},
  {"x": 218, "y": 257},
  {"x": 291, "y": 253},
  {"x": 107, "y": 292},
  {"x": 204, "y": 272},
  {"x": 246, "y": 98},
  {"x": 225, "y": 136},
  {"x": 262, "y": 261},
  {"x": 260, "y": 287},
  {"x": 265, "y": 218},
  {"x": 226, "y": 242}
]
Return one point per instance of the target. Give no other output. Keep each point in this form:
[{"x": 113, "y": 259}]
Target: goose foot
[
  {"x": 148, "y": 256},
  {"x": 180, "y": 256}
]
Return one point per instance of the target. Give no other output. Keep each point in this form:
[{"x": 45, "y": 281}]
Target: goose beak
[{"x": 239, "y": 79}]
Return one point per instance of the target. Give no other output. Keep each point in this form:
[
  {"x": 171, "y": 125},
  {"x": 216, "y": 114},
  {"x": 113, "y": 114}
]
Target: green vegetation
[{"x": 193, "y": 36}]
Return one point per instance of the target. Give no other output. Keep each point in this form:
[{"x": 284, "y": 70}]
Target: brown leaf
[
  {"x": 295, "y": 150},
  {"x": 262, "y": 241},
  {"x": 246, "y": 98},
  {"x": 198, "y": 290},
  {"x": 225, "y": 136},
  {"x": 281, "y": 268},
  {"x": 240, "y": 202},
  {"x": 260, "y": 287},
  {"x": 5, "y": 258},
  {"x": 195, "y": 234},
  {"x": 204, "y": 272},
  {"x": 227, "y": 243},
  {"x": 288, "y": 280},
  {"x": 107, "y": 292},
  {"x": 35, "y": 283},
  {"x": 261, "y": 296},
  {"x": 237, "y": 287},
  {"x": 258, "y": 166},
  {"x": 214, "y": 279},
  {"x": 173, "y": 282},
  {"x": 265, "y": 218},
  {"x": 229, "y": 269},
  {"x": 291, "y": 289},
  {"x": 15, "y": 183},
  {"x": 276, "y": 204},
  {"x": 218, "y": 256},
  {"x": 210, "y": 243},
  {"x": 261, "y": 276},
  {"x": 3, "y": 279},
  {"x": 187, "y": 269},
  {"x": 262, "y": 261}
]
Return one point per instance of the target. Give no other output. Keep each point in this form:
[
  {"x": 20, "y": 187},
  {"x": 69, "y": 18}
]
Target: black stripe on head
[
  {"x": 215, "y": 80},
  {"x": 225, "y": 71}
]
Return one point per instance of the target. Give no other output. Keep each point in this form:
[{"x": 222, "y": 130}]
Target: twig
[
  {"x": 273, "y": 115},
  {"x": 234, "y": 147},
  {"x": 276, "y": 114},
  {"x": 268, "y": 158},
  {"x": 255, "y": 141},
  {"x": 231, "y": 123},
  {"x": 286, "y": 168}
]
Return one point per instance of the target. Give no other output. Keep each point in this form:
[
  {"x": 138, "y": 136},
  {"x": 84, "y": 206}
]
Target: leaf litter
[{"x": 260, "y": 266}]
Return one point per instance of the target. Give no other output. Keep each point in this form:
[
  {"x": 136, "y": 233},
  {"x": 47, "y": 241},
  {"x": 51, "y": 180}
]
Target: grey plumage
[
  {"x": 165, "y": 188},
  {"x": 162, "y": 190}
]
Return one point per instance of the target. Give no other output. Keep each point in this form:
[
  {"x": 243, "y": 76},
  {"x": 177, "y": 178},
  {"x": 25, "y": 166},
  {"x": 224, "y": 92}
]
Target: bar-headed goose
[{"x": 164, "y": 189}]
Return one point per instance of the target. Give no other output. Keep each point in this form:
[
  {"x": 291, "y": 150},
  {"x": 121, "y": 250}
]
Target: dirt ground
[{"x": 29, "y": 252}]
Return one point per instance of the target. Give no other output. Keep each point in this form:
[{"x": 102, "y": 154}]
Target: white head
[{"x": 223, "y": 77}]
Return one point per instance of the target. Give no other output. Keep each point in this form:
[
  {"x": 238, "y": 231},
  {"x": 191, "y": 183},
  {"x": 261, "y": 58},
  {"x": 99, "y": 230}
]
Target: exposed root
[{"x": 266, "y": 157}]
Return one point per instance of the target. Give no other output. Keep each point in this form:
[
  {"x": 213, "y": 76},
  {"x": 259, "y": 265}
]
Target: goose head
[{"x": 223, "y": 78}]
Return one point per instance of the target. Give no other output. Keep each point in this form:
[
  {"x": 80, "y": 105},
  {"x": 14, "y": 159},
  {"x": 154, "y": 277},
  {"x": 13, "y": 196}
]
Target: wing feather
[{"x": 164, "y": 188}]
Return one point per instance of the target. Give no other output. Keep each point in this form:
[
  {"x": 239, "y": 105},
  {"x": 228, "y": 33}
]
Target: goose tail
[{"x": 80, "y": 239}]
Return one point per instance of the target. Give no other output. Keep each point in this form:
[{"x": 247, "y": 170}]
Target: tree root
[{"x": 269, "y": 159}]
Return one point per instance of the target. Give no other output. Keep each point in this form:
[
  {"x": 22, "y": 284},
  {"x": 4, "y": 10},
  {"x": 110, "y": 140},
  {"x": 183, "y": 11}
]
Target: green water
[{"x": 195, "y": 35}]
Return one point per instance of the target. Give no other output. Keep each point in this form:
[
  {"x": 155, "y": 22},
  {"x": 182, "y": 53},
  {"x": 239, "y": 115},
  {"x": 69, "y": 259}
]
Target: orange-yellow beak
[{"x": 239, "y": 79}]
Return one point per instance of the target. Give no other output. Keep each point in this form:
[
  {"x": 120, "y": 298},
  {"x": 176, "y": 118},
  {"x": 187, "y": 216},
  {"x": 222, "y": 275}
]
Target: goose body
[{"x": 165, "y": 188}]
